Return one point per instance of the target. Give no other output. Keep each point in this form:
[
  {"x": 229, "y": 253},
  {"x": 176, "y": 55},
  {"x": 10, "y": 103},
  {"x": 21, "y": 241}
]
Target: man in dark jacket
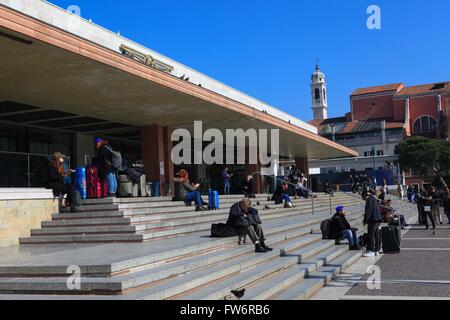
[
  {"x": 340, "y": 227},
  {"x": 245, "y": 220},
  {"x": 372, "y": 219}
]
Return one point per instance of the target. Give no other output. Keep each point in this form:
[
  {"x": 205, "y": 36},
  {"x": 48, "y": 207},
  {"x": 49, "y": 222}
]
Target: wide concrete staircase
[
  {"x": 171, "y": 256},
  {"x": 144, "y": 219}
]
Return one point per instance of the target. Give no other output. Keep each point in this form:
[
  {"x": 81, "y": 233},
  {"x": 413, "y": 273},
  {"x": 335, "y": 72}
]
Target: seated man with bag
[
  {"x": 340, "y": 228},
  {"x": 245, "y": 220}
]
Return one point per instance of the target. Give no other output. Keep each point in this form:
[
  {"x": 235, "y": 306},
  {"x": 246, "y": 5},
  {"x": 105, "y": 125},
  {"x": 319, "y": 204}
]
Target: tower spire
[{"x": 319, "y": 94}]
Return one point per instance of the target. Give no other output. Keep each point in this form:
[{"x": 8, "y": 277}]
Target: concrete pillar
[
  {"x": 302, "y": 165},
  {"x": 384, "y": 137},
  {"x": 83, "y": 145},
  {"x": 156, "y": 153},
  {"x": 169, "y": 167},
  {"x": 439, "y": 103},
  {"x": 251, "y": 169},
  {"x": 407, "y": 126}
]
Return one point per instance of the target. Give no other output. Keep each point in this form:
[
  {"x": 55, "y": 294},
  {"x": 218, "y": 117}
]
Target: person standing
[
  {"x": 446, "y": 203},
  {"x": 106, "y": 171},
  {"x": 294, "y": 177},
  {"x": 436, "y": 205},
  {"x": 226, "y": 180},
  {"x": 372, "y": 219},
  {"x": 427, "y": 201},
  {"x": 353, "y": 182}
]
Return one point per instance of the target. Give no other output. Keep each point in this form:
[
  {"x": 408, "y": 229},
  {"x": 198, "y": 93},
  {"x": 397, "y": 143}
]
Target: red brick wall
[
  {"x": 399, "y": 110},
  {"x": 363, "y": 109},
  {"x": 422, "y": 106}
]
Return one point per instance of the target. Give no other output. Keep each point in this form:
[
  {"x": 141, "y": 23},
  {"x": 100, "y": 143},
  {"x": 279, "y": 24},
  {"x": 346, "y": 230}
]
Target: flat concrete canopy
[{"x": 46, "y": 67}]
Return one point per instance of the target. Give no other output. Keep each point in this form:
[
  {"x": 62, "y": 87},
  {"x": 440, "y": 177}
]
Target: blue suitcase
[
  {"x": 80, "y": 182},
  {"x": 213, "y": 200}
]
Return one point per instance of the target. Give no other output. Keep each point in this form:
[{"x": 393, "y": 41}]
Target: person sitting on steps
[
  {"x": 328, "y": 189},
  {"x": 281, "y": 195},
  {"x": 389, "y": 215},
  {"x": 340, "y": 228},
  {"x": 245, "y": 220},
  {"x": 302, "y": 190},
  {"x": 247, "y": 187},
  {"x": 187, "y": 192},
  {"x": 56, "y": 174}
]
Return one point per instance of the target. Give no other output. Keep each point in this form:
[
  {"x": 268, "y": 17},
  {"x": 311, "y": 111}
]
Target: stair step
[
  {"x": 86, "y": 213},
  {"x": 317, "y": 280},
  {"x": 41, "y": 236},
  {"x": 150, "y": 223},
  {"x": 286, "y": 278},
  {"x": 117, "y": 284},
  {"x": 220, "y": 289},
  {"x": 195, "y": 279}
]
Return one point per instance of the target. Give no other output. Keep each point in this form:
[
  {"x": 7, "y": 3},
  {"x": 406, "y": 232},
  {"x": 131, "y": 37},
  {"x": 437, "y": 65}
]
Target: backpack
[
  {"x": 116, "y": 158},
  {"x": 325, "y": 228}
]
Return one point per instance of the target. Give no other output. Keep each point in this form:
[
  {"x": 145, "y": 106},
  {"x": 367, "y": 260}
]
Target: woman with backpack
[{"x": 106, "y": 170}]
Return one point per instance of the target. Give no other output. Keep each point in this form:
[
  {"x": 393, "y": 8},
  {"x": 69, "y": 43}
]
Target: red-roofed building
[{"x": 381, "y": 117}]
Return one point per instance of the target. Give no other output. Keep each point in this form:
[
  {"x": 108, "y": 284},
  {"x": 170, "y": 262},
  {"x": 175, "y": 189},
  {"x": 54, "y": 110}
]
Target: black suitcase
[{"x": 391, "y": 238}]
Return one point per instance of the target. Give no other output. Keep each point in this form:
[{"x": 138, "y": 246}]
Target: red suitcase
[{"x": 95, "y": 186}]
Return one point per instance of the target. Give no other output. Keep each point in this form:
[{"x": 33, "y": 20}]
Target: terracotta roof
[
  {"x": 378, "y": 89},
  {"x": 425, "y": 88},
  {"x": 358, "y": 126}
]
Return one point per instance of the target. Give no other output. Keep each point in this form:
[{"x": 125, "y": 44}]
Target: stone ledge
[{"x": 25, "y": 194}]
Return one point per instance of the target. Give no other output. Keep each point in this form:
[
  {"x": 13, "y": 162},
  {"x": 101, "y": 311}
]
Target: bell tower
[{"x": 319, "y": 95}]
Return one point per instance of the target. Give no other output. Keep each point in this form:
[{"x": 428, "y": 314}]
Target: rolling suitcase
[
  {"x": 80, "y": 182},
  {"x": 213, "y": 200},
  {"x": 127, "y": 188},
  {"x": 143, "y": 186},
  {"x": 96, "y": 187},
  {"x": 391, "y": 238}
]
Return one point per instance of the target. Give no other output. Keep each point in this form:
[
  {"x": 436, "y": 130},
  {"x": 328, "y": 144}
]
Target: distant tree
[{"x": 421, "y": 155}]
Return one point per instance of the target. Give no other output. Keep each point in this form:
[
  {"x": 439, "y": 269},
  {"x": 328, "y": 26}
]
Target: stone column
[
  {"x": 302, "y": 165},
  {"x": 407, "y": 126},
  {"x": 156, "y": 153},
  {"x": 384, "y": 137},
  {"x": 169, "y": 167},
  {"x": 251, "y": 168}
]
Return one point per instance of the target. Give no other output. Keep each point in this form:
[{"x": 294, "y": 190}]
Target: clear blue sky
[{"x": 268, "y": 49}]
